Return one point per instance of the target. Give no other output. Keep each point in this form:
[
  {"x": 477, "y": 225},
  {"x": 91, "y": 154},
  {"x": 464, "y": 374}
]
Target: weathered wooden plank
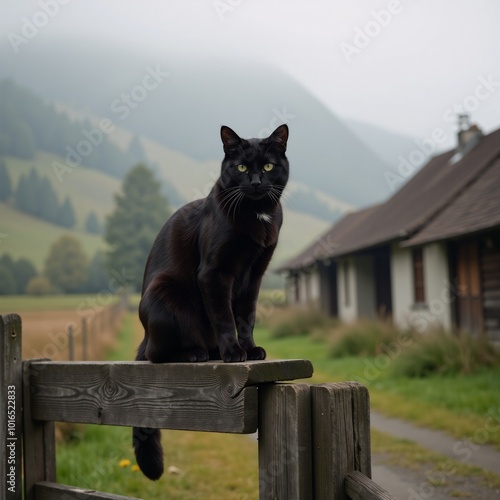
[
  {"x": 53, "y": 491},
  {"x": 141, "y": 395},
  {"x": 360, "y": 487},
  {"x": 189, "y": 396},
  {"x": 285, "y": 455},
  {"x": 39, "y": 444},
  {"x": 340, "y": 436},
  {"x": 10, "y": 407}
]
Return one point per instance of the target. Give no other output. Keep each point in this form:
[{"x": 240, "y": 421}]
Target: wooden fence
[
  {"x": 92, "y": 325},
  {"x": 314, "y": 440}
]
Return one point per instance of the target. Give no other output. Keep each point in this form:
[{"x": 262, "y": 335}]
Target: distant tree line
[
  {"x": 36, "y": 196},
  {"x": 67, "y": 270},
  {"x": 28, "y": 123}
]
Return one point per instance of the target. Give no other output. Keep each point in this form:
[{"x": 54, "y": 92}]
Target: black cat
[{"x": 204, "y": 271}]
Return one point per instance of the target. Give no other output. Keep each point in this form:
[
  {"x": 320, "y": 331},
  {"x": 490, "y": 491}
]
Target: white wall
[
  {"x": 308, "y": 284},
  {"x": 360, "y": 276},
  {"x": 347, "y": 306},
  {"x": 436, "y": 312}
]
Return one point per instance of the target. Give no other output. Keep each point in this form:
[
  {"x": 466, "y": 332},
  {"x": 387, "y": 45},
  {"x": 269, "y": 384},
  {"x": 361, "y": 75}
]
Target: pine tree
[
  {"x": 92, "y": 224},
  {"x": 5, "y": 184},
  {"x": 136, "y": 151},
  {"x": 140, "y": 211},
  {"x": 67, "y": 216},
  {"x": 47, "y": 202},
  {"x": 7, "y": 282},
  {"x": 66, "y": 265},
  {"x": 97, "y": 276}
]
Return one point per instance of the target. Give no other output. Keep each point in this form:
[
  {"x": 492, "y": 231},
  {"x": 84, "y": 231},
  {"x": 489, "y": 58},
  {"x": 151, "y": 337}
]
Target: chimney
[{"x": 468, "y": 135}]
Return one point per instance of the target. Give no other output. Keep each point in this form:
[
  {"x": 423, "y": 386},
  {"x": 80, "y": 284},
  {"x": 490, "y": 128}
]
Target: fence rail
[{"x": 314, "y": 440}]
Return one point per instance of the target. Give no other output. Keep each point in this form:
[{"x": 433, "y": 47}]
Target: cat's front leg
[
  {"x": 216, "y": 290},
  {"x": 245, "y": 313}
]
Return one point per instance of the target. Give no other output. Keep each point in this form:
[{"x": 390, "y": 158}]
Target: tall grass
[
  {"x": 411, "y": 354},
  {"x": 440, "y": 352}
]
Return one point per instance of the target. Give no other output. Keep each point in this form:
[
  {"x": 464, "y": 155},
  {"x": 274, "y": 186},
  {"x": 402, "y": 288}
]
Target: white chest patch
[{"x": 264, "y": 217}]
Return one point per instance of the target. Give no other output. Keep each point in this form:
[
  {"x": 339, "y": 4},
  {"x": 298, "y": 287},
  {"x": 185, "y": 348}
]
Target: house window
[
  {"x": 347, "y": 291},
  {"x": 418, "y": 276}
]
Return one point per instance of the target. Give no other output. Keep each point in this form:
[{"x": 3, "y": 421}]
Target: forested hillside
[{"x": 28, "y": 123}]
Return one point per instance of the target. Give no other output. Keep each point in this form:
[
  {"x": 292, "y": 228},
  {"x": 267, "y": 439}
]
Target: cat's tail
[
  {"x": 147, "y": 442},
  {"x": 148, "y": 451}
]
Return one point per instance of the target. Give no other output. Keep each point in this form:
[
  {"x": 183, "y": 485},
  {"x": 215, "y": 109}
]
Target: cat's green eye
[
  {"x": 242, "y": 168},
  {"x": 268, "y": 167}
]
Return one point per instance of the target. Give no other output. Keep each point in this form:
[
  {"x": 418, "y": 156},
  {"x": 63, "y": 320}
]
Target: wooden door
[{"x": 469, "y": 305}]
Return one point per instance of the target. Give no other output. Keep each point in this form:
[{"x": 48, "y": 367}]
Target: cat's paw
[
  {"x": 256, "y": 353},
  {"x": 194, "y": 355},
  {"x": 234, "y": 354}
]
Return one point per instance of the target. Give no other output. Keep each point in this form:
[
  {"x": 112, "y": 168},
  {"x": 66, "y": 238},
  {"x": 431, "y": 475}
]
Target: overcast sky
[{"x": 404, "y": 65}]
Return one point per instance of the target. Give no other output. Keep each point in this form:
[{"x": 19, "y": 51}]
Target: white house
[{"x": 428, "y": 256}]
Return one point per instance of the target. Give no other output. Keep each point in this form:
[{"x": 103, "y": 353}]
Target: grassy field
[
  {"x": 22, "y": 303},
  {"x": 461, "y": 405},
  {"x": 25, "y": 236}
]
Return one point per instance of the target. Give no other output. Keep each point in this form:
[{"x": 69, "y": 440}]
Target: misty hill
[{"x": 188, "y": 100}]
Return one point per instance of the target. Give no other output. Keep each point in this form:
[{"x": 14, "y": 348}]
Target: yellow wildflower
[
  {"x": 134, "y": 468},
  {"x": 124, "y": 463}
]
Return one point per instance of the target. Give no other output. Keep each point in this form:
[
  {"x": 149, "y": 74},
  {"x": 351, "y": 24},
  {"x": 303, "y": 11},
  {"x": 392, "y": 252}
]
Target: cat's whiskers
[
  {"x": 231, "y": 198},
  {"x": 278, "y": 193}
]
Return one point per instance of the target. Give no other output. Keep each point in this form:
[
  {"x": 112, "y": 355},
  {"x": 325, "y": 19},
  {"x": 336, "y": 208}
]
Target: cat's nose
[{"x": 255, "y": 181}]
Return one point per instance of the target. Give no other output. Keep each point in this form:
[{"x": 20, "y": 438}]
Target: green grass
[
  {"x": 31, "y": 238},
  {"x": 22, "y": 303},
  {"x": 461, "y": 405}
]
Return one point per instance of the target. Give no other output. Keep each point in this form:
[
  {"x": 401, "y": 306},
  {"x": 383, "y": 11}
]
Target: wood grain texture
[
  {"x": 285, "y": 455},
  {"x": 11, "y": 390},
  {"x": 53, "y": 491},
  {"x": 216, "y": 397},
  {"x": 39, "y": 444},
  {"x": 340, "y": 436},
  {"x": 360, "y": 487}
]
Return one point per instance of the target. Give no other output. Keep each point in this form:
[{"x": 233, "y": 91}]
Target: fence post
[
  {"x": 39, "y": 441},
  {"x": 341, "y": 436},
  {"x": 11, "y": 387},
  {"x": 71, "y": 344},
  {"x": 285, "y": 465},
  {"x": 84, "y": 339}
]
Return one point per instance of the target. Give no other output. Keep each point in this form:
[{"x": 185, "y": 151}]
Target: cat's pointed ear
[
  {"x": 279, "y": 137},
  {"x": 229, "y": 137}
]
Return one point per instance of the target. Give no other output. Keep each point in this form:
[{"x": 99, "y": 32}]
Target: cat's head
[{"x": 254, "y": 170}]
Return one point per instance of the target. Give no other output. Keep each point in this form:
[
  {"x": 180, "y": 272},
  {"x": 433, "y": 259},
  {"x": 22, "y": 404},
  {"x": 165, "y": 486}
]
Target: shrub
[
  {"x": 363, "y": 338},
  {"x": 39, "y": 285},
  {"x": 301, "y": 322},
  {"x": 444, "y": 353}
]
